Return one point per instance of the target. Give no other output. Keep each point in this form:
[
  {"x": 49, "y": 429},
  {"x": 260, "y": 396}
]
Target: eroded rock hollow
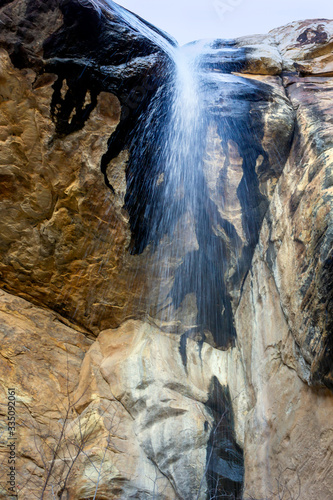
[{"x": 166, "y": 264}]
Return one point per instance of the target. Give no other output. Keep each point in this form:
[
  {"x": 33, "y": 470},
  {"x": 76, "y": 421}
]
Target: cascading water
[
  {"x": 176, "y": 223},
  {"x": 173, "y": 204},
  {"x": 180, "y": 157}
]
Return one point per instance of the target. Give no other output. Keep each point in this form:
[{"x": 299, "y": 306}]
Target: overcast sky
[{"x": 188, "y": 20}]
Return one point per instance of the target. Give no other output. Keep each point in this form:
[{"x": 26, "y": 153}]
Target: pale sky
[{"x": 188, "y": 20}]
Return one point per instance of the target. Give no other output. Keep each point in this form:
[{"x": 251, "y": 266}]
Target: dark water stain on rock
[
  {"x": 225, "y": 461},
  {"x": 312, "y": 35}
]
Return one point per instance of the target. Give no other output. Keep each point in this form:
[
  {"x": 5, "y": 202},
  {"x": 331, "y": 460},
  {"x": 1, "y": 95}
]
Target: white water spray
[{"x": 181, "y": 155}]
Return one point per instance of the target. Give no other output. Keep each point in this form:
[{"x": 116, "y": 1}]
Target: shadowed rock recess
[{"x": 229, "y": 394}]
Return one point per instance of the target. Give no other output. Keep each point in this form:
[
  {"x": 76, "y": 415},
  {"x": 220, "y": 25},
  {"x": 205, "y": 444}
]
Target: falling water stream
[
  {"x": 180, "y": 157},
  {"x": 188, "y": 294}
]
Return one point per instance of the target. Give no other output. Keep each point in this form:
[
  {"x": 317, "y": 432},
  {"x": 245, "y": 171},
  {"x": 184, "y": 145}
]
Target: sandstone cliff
[{"x": 233, "y": 398}]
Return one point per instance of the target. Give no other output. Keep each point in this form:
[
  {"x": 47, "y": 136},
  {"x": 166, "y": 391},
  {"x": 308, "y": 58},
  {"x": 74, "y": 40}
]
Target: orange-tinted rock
[{"x": 41, "y": 358}]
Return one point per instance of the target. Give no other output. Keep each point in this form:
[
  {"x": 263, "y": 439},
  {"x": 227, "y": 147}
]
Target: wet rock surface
[{"x": 247, "y": 379}]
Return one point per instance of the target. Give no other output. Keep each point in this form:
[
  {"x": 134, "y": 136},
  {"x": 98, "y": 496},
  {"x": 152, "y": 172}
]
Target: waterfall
[
  {"x": 178, "y": 227},
  {"x": 192, "y": 265},
  {"x": 180, "y": 159}
]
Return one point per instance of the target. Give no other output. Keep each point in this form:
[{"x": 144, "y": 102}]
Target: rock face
[
  {"x": 233, "y": 398},
  {"x": 57, "y": 118},
  {"x": 41, "y": 358}
]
